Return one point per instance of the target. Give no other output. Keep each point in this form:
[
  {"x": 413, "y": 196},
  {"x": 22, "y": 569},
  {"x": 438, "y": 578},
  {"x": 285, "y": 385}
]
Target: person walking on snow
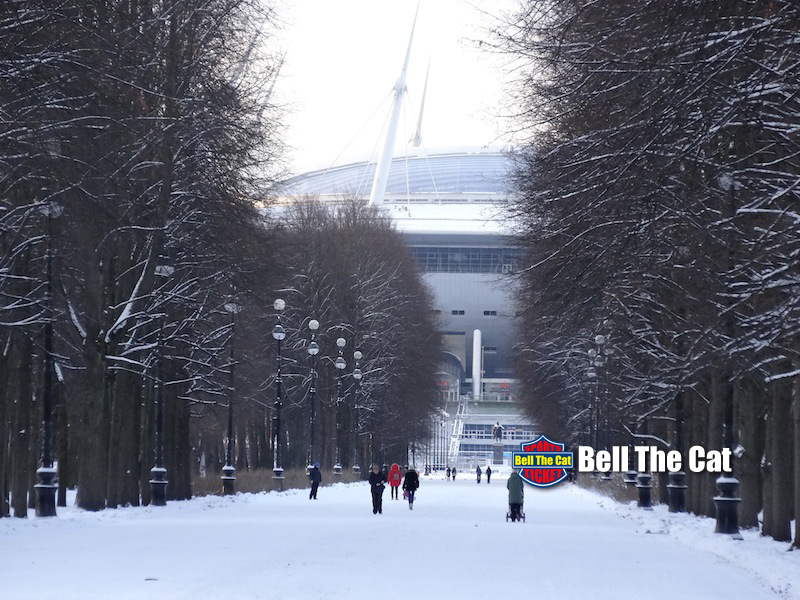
[
  {"x": 448, "y": 473},
  {"x": 377, "y": 481},
  {"x": 454, "y": 473},
  {"x": 515, "y": 495},
  {"x": 410, "y": 485},
  {"x": 395, "y": 478},
  {"x": 478, "y": 473},
  {"x": 488, "y": 474},
  {"x": 316, "y": 478}
]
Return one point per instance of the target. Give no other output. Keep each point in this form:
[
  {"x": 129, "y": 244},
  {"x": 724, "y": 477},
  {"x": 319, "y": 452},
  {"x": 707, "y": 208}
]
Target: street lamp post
[
  {"x": 644, "y": 484},
  {"x": 630, "y": 476},
  {"x": 442, "y": 441},
  {"x": 727, "y": 503},
  {"x": 676, "y": 488},
  {"x": 591, "y": 373},
  {"x": 313, "y": 350},
  {"x": 229, "y": 470},
  {"x": 279, "y": 333},
  {"x": 340, "y": 366},
  {"x": 437, "y": 446},
  {"x": 158, "y": 474},
  {"x": 46, "y": 474},
  {"x": 597, "y": 360},
  {"x": 357, "y": 375},
  {"x": 158, "y": 481}
]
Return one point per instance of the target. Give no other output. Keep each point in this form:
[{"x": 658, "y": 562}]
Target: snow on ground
[{"x": 456, "y": 543}]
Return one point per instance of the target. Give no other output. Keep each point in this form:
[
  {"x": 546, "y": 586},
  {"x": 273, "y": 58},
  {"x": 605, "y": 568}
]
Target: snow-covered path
[{"x": 456, "y": 543}]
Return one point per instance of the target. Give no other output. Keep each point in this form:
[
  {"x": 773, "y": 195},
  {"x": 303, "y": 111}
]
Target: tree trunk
[
  {"x": 716, "y": 418},
  {"x": 782, "y": 485},
  {"x": 146, "y": 445},
  {"x": 20, "y": 441},
  {"x": 767, "y": 474},
  {"x": 65, "y": 461},
  {"x": 796, "y": 454},
  {"x": 93, "y": 456},
  {"x": 698, "y": 422},
  {"x": 115, "y": 424},
  {"x": 4, "y": 402},
  {"x": 176, "y": 445},
  {"x": 748, "y": 472},
  {"x": 123, "y": 481}
]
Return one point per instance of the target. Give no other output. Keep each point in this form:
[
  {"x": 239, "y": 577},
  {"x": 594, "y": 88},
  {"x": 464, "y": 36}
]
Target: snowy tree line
[
  {"x": 135, "y": 136},
  {"x": 350, "y": 270},
  {"x": 658, "y": 197}
]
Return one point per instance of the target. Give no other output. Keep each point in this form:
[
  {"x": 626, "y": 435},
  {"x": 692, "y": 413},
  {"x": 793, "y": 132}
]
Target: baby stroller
[{"x": 521, "y": 516}]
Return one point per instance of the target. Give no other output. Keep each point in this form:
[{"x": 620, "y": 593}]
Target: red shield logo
[{"x": 542, "y": 477}]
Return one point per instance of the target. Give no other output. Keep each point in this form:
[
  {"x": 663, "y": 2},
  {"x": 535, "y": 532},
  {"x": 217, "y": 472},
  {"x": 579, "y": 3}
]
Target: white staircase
[{"x": 458, "y": 430}]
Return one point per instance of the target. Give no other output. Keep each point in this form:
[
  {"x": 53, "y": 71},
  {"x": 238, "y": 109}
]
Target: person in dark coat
[
  {"x": 478, "y": 473},
  {"x": 516, "y": 495},
  {"x": 377, "y": 481},
  {"x": 448, "y": 473},
  {"x": 453, "y": 472},
  {"x": 410, "y": 486},
  {"x": 316, "y": 478},
  {"x": 488, "y": 474}
]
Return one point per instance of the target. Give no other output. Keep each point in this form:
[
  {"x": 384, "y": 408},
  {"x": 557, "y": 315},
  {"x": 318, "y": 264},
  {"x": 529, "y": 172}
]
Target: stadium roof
[{"x": 474, "y": 172}]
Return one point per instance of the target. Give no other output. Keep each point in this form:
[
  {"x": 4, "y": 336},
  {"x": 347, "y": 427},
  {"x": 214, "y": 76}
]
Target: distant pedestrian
[
  {"x": 478, "y": 473},
  {"x": 316, "y": 478},
  {"x": 377, "y": 481},
  {"x": 488, "y": 474},
  {"x": 516, "y": 495},
  {"x": 454, "y": 473},
  {"x": 395, "y": 478},
  {"x": 410, "y": 486},
  {"x": 448, "y": 473}
]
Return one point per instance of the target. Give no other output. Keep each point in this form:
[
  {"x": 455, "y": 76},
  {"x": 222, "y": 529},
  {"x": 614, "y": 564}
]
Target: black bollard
[
  {"x": 676, "y": 489},
  {"x": 158, "y": 486},
  {"x": 644, "y": 485},
  {"x": 228, "y": 480},
  {"x": 46, "y": 492},
  {"x": 629, "y": 478},
  {"x": 728, "y": 507}
]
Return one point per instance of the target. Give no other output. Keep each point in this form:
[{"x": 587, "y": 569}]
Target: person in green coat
[{"x": 516, "y": 495}]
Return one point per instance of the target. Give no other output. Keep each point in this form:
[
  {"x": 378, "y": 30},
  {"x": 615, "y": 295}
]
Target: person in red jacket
[{"x": 395, "y": 477}]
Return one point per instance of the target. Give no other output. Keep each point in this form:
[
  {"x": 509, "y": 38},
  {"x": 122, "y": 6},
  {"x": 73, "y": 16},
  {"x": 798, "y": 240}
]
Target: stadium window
[
  {"x": 457, "y": 312},
  {"x": 490, "y": 313}
]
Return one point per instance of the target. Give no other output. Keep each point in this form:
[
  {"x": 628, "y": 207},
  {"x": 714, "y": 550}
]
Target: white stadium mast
[
  {"x": 416, "y": 141},
  {"x": 385, "y": 159}
]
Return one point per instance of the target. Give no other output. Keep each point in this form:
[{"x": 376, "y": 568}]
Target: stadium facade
[{"x": 449, "y": 206}]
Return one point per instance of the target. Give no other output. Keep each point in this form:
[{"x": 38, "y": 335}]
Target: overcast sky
[{"x": 343, "y": 58}]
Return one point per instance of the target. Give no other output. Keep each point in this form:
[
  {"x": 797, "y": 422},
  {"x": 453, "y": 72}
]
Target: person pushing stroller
[{"x": 516, "y": 495}]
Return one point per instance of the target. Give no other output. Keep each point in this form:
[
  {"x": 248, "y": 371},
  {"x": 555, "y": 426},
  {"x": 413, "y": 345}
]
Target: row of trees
[
  {"x": 134, "y": 137},
  {"x": 659, "y": 208},
  {"x": 131, "y": 135},
  {"x": 343, "y": 265},
  {"x": 349, "y": 269}
]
